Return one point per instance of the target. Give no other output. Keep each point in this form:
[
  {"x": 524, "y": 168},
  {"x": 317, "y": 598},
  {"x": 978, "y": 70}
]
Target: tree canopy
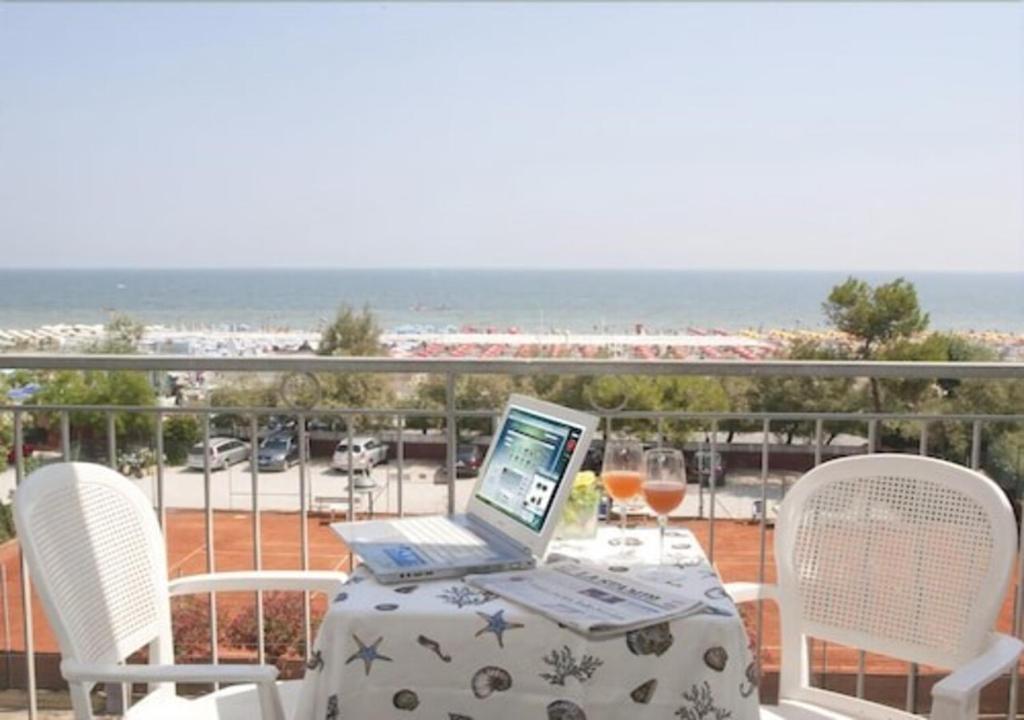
[
  {"x": 354, "y": 334},
  {"x": 876, "y": 315}
]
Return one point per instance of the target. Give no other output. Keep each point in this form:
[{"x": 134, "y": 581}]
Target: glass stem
[
  {"x": 622, "y": 520},
  {"x": 662, "y": 524}
]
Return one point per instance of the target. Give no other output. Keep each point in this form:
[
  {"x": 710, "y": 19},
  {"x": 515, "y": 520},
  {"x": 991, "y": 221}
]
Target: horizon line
[{"x": 488, "y": 269}]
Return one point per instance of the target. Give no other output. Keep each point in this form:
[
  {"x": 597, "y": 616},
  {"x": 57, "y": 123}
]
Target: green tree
[
  {"x": 472, "y": 392},
  {"x": 805, "y": 394},
  {"x": 875, "y": 318},
  {"x": 354, "y": 334},
  {"x": 122, "y": 335},
  {"x": 180, "y": 433},
  {"x": 113, "y": 388}
]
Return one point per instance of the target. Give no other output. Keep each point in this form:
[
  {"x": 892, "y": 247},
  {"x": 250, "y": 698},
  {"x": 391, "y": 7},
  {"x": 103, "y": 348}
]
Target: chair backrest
[
  {"x": 900, "y": 555},
  {"x": 97, "y": 559}
]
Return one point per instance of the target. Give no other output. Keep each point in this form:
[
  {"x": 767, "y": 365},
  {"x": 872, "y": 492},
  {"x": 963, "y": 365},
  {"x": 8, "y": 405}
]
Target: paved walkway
[{"x": 417, "y": 494}]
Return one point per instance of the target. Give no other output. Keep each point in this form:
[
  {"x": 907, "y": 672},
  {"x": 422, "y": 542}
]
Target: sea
[{"x": 571, "y": 300}]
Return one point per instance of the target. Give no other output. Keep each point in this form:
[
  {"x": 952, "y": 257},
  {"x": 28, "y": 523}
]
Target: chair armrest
[
  {"x": 321, "y": 581},
  {"x": 742, "y": 592},
  {"x": 955, "y": 695},
  {"x": 74, "y": 671}
]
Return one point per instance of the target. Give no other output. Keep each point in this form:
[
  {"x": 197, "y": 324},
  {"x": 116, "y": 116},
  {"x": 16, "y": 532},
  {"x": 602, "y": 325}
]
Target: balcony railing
[{"x": 761, "y": 426}]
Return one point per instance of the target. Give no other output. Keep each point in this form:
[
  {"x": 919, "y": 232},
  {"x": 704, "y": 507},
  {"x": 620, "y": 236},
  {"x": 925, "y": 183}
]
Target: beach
[{"x": 689, "y": 343}]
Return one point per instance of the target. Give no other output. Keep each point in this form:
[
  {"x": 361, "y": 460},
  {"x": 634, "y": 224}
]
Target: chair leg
[
  {"x": 80, "y": 701},
  {"x": 270, "y": 701}
]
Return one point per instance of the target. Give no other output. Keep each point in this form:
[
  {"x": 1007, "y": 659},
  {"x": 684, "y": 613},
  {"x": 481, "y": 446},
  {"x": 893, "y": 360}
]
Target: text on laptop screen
[{"x": 527, "y": 465}]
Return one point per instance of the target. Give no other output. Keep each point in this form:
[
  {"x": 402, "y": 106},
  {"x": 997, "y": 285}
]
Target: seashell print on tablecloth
[
  {"x": 405, "y": 700},
  {"x": 716, "y": 658},
  {"x": 565, "y": 710},
  {"x": 643, "y": 693},
  {"x": 651, "y": 640},
  {"x": 490, "y": 679}
]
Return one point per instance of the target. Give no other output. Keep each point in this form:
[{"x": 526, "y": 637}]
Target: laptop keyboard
[{"x": 444, "y": 540}]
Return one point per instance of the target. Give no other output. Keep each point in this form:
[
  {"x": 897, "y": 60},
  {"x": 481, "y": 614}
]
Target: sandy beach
[{"x": 689, "y": 343}]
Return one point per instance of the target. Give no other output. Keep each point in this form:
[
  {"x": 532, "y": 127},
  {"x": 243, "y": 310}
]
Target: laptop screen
[{"x": 530, "y": 457}]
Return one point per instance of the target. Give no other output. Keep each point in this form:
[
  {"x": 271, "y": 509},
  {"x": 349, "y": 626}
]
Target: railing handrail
[
  {"x": 466, "y": 413},
  {"x": 521, "y": 366}
]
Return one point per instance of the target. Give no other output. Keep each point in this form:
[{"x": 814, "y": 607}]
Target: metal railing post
[
  {"x": 451, "y": 433},
  {"x": 400, "y": 462},
  {"x": 111, "y": 440},
  {"x": 210, "y": 555},
  {"x": 26, "y": 584},
  {"x": 161, "y": 507},
  {"x": 65, "y": 436},
  {"x": 823, "y": 676},
  {"x": 976, "y": 445},
  {"x": 349, "y": 439},
  {"x": 304, "y": 531},
  {"x": 762, "y": 551},
  {"x": 8, "y": 650},
  {"x": 257, "y": 532},
  {"x": 712, "y": 481}
]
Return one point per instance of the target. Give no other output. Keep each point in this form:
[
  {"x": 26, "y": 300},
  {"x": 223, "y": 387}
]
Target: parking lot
[{"x": 416, "y": 494}]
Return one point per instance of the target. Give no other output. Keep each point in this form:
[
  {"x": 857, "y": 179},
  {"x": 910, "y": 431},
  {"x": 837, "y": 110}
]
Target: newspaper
[{"x": 589, "y": 599}]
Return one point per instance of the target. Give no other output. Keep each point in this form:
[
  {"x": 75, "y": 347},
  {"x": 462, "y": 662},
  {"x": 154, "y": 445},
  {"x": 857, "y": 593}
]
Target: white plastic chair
[
  {"x": 894, "y": 554},
  {"x": 98, "y": 561}
]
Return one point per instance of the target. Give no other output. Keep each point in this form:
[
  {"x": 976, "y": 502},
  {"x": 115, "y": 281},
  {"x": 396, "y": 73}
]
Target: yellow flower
[{"x": 584, "y": 479}]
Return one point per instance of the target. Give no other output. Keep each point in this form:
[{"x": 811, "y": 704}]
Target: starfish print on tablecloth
[
  {"x": 496, "y": 624},
  {"x": 367, "y": 653}
]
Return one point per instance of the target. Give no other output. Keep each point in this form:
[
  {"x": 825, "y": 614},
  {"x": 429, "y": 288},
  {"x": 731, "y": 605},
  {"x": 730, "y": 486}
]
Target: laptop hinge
[{"x": 490, "y": 529}]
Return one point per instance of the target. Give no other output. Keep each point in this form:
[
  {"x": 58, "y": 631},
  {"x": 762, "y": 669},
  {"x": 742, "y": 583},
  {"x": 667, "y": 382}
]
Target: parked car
[
  {"x": 26, "y": 452},
  {"x": 278, "y": 452},
  {"x": 468, "y": 459},
  {"x": 367, "y": 452},
  {"x": 700, "y": 468},
  {"x": 224, "y": 451}
]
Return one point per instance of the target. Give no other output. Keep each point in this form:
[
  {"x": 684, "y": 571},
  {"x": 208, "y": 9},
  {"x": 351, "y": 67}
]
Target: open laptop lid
[{"x": 529, "y": 470}]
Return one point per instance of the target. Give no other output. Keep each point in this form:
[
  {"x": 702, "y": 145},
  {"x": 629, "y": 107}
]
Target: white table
[{"x": 444, "y": 650}]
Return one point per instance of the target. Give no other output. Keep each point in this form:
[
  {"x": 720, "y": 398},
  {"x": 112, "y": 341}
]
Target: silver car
[
  {"x": 224, "y": 452},
  {"x": 367, "y": 453}
]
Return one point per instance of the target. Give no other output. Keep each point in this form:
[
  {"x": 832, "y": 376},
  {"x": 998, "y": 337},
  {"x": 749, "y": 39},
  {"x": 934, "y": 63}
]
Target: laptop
[{"x": 514, "y": 506}]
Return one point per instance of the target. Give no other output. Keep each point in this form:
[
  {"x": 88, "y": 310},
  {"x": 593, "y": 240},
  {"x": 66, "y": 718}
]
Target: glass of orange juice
[
  {"x": 664, "y": 487},
  {"x": 623, "y": 474}
]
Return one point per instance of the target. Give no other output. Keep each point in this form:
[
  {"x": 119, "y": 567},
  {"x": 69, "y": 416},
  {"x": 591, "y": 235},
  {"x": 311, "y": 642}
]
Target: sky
[{"x": 805, "y": 135}]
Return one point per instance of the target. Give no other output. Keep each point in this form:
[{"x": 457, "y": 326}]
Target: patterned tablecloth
[{"x": 446, "y": 651}]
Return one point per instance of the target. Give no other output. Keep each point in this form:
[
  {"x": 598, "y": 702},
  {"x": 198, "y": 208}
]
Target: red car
[{"x": 26, "y": 452}]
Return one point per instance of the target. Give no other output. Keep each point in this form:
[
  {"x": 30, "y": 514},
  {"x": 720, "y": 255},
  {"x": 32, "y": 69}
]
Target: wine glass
[
  {"x": 623, "y": 474},
  {"x": 664, "y": 487}
]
